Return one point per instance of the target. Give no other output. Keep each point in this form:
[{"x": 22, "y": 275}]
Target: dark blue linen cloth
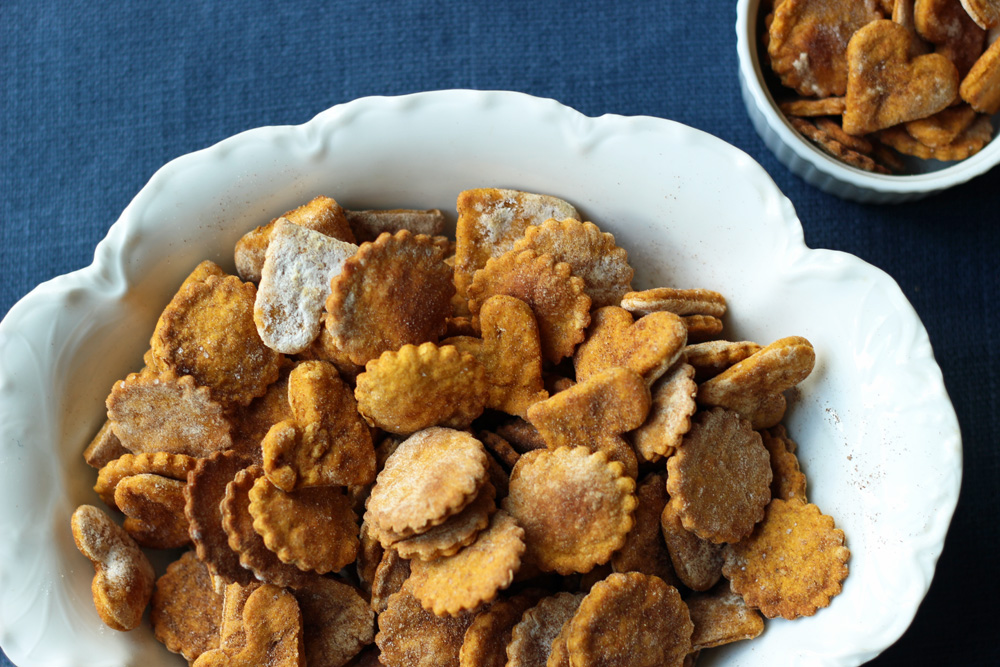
[{"x": 96, "y": 97}]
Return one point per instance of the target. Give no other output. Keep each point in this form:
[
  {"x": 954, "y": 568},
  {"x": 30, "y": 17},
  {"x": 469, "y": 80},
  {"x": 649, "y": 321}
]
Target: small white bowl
[{"x": 816, "y": 167}]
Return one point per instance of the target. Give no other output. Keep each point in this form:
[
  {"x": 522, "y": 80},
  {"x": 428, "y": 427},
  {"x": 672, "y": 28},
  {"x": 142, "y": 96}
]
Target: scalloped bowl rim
[{"x": 675, "y": 197}]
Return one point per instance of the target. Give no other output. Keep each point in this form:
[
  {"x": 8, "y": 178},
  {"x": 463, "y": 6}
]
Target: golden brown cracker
[
  {"x": 671, "y": 407},
  {"x": 173, "y": 466},
  {"x": 644, "y": 549},
  {"x": 949, "y": 27},
  {"x": 702, "y": 327},
  {"x": 697, "y": 562},
  {"x": 521, "y": 435},
  {"x": 981, "y": 86},
  {"x": 986, "y": 13},
  {"x": 787, "y": 479},
  {"x": 104, "y": 448},
  {"x": 123, "y": 577},
  {"x": 390, "y": 575},
  {"x": 368, "y": 225},
  {"x": 456, "y": 533},
  {"x": 722, "y": 617},
  {"x": 835, "y": 132},
  {"x": 532, "y": 637},
  {"x": 807, "y": 107},
  {"x": 678, "y": 301},
  {"x": 590, "y": 253},
  {"x": 186, "y": 612},
  {"x": 720, "y": 507},
  {"x": 634, "y": 610},
  {"x": 824, "y": 140},
  {"x": 409, "y": 636},
  {"x": 336, "y": 622},
  {"x": 485, "y": 641},
  {"x": 574, "y": 506},
  {"x": 252, "y": 422},
  {"x": 792, "y": 564},
  {"x": 499, "y": 448},
  {"x": 943, "y": 127},
  {"x": 415, "y": 388},
  {"x": 370, "y": 554},
  {"x": 969, "y": 142},
  {"x": 712, "y": 357},
  {"x": 648, "y": 346},
  {"x": 511, "y": 353},
  {"x": 153, "y": 506},
  {"x": 394, "y": 291}
]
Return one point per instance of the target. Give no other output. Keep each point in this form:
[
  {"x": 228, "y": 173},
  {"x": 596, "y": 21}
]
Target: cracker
[
  {"x": 712, "y": 357},
  {"x": 172, "y": 466},
  {"x": 203, "y": 495},
  {"x": 409, "y": 636},
  {"x": 499, "y": 448},
  {"x": 161, "y": 412},
  {"x": 702, "y": 327},
  {"x": 153, "y": 506},
  {"x": 368, "y": 225},
  {"x": 575, "y": 508},
  {"x": 824, "y": 140},
  {"x": 648, "y": 346},
  {"x": 336, "y": 622},
  {"x": 104, "y": 448},
  {"x": 394, "y": 291},
  {"x": 521, "y": 435},
  {"x": 949, "y": 27},
  {"x": 555, "y": 295},
  {"x": 722, "y": 617},
  {"x": 390, "y": 575},
  {"x": 415, "y": 388},
  {"x": 511, "y": 354},
  {"x": 458, "y": 531},
  {"x": 432, "y": 475},
  {"x": 644, "y": 549},
  {"x": 677, "y": 301},
  {"x": 294, "y": 285},
  {"x": 475, "y": 574},
  {"x": 697, "y": 562},
  {"x": 720, "y": 508},
  {"x": 314, "y": 528},
  {"x": 370, "y": 553},
  {"x": 787, "y": 479},
  {"x": 968, "y": 143},
  {"x": 792, "y": 564},
  {"x": 806, "y": 107},
  {"x": 186, "y": 611},
  {"x": 491, "y": 220},
  {"x": 986, "y": 13},
  {"x": 943, "y": 127},
  {"x": 531, "y": 639},
  {"x": 485, "y": 642},
  {"x": 632, "y": 620},
  {"x": 123, "y": 577},
  {"x": 590, "y": 253},
  {"x": 207, "y": 331},
  {"x": 671, "y": 407},
  {"x": 322, "y": 214},
  {"x": 887, "y": 86},
  {"x": 252, "y": 422}
]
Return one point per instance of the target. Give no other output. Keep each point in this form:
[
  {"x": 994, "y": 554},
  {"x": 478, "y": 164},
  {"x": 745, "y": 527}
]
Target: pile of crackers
[
  {"x": 871, "y": 81},
  {"x": 378, "y": 446}
]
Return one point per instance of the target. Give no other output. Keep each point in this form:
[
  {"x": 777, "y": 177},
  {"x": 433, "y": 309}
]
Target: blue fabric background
[{"x": 95, "y": 97}]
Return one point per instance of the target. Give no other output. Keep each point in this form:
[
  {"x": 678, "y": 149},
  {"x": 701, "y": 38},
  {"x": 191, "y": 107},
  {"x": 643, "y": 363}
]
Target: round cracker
[
  {"x": 410, "y": 636},
  {"x": 336, "y": 622},
  {"x": 458, "y": 531},
  {"x": 186, "y": 611}
]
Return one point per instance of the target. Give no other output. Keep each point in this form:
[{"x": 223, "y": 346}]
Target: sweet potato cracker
[
  {"x": 671, "y": 407},
  {"x": 788, "y": 481},
  {"x": 390, "y": 575},
  {"x": 644, "y": 549},
  {"x": 370, "y": 224},
  {"x": 697, "y": 562},
  {"x": 485, "y": 642},
  {"x": 272, "y": 627},
  {"x": 677, "y": 301},
  {"x": 409, "y": 636},
  {"x": 336, "y": 622},
  {"x": 186, "y": 611},
  {"x": 457, "y": 531},
  {"x": 531, "y": 639},
  {"x": 511, "y": 354},
  {"x": 648, "y": 346},
  {"x": 721, "y": 617},
  {"x": 172, "y": 466},
  {"x": 153, "y": 506},
  {"x": 981, "y": 86}
]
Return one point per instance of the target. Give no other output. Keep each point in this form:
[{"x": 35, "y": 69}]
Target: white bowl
[
  {"x": 878, "y": 437},
  {"x": 822, "y": 170}
]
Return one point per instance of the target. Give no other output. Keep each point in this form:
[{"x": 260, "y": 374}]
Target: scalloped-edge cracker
[
  {"x": 153, "y": 506},
  {"x": 644, "y": 549},
  {"x": 722, "y": 617},
  {"x": 186, "y": 612},
  {"x": 531, "y": 639},
  {"x": 410, "y": 636},
  {"x": 671, "y": 407}
]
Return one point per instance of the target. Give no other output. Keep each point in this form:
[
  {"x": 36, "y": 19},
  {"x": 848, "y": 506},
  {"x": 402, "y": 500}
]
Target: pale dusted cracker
[
  {"x": 531, "y": 639},
  {"x": 722, "y": 617},
  {"x": 104, "y": 447},
  {"x": 368, "y": 225},
  {"x": 595, "y": 414},
  {"x": 808, "y": 107},
  {"x": 457, "y": 532},
  {"x": 636, "y": 611},
  {"x": 949, "y": 27},
  {"x": 575, "y": 507},
  {"x": 748, "y": 386},
  {"x": 968, "y": 143},
  {"x": 644, "y": 549},
  {"x": 792, "y": 564},
  {"x": 173, "y": 466},
  {"x": 485, "y": 642},
  {"x": 153, "y": 506},
  {"x": 491, "y": 220},
  {"x": 294, "y": 285},
  {"x": 981, "y": 86},
  {"x": 712, "y": 357},
  {"x": 413, "y": 388},
  {"x": 161, "y": 412},
  {"x": 186, "y": 612},
  {"x": 432, "y": 475},
  {"x": 203, "y": 495},
  {"x": 390, "y": 575},
  {"x": 410, "y": 636},
  {"x": 123, "y": 577},
  {"x": 648, "y": 346},
  {"x": 697, "y": 562},
  {"x": 592, "y": 255},
  {"x": 511, "y": 354},
  {"x": 207, "y": 331},
  {"x": 716, "y": 507},
  {"x": 788, "y": 481},
  {"x": 392, "y": 292},
  {"x": 474, "y": 575},
  {"x": 326, "y": 442},
  {"x": 808, "y": 43},
  {"x": 835, "y": 148},
  {"x": 337, "y": 623},
  {"x": 272, "y": 633},
  {"x": 556, "y": 297},
  {"x": 986, "y": 13},
  {"x": 670, "y": 412},
  {"x": 943, "y": 127},
  {"x": 314, "y": 528},
  {"x": 887, "y": 85},
  {"x": 322, "y": 214},
  {"x": 677, "y": 301}
]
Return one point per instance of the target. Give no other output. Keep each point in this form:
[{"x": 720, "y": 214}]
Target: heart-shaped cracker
[
  {"x": 272, "y": 625},
  {"x": 648, "y": 346},
  {"x": 885, "y": 86}
]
